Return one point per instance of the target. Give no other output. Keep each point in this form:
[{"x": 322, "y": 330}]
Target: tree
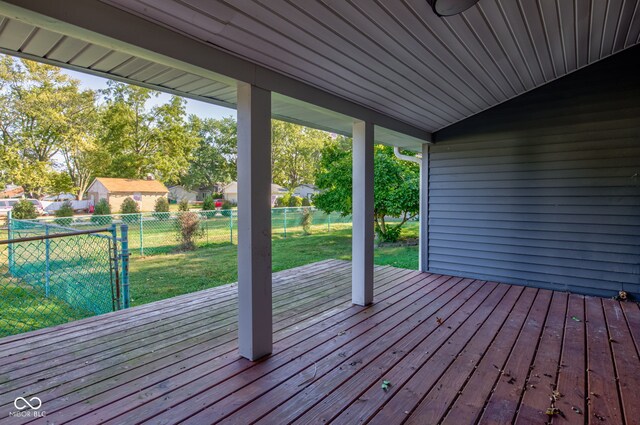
[
  {"x": 41, "y": 110},
  {"x": 24, "y": 210},
  {"x": 140, "y": 141},
  {"x": 214, "y": 158},
  {"x": 295, "y": 153},
  {"x": 396, "y": 187}
]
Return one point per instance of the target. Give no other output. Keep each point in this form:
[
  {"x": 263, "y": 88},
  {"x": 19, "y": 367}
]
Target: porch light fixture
[{"x": 450, "y": 7}]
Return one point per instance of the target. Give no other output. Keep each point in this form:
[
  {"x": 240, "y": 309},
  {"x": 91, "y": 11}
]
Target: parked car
[{"x": 6, "y": 205}]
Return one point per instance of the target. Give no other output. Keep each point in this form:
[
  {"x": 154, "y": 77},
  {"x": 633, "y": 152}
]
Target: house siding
[{"x": 544, "y": 190}]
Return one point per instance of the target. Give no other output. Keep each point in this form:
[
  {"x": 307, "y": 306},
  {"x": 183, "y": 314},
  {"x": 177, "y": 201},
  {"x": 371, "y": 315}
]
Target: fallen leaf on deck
[
  {"x": 576, "y": 319},
  {"x": 386, "y": 385}
]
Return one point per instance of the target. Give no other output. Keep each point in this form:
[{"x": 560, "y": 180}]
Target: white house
[
  {"x": 306, "y": 191},
  {"x": 181, "y": 193},
  {"x": 230, "y": 192}
]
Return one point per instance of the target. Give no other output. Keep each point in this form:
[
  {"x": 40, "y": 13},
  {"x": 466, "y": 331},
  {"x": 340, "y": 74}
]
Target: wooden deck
[{"x": 454, "y": 351}]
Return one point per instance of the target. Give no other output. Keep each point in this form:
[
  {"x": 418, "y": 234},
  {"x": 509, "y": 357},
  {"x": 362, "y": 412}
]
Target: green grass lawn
[{"x": 163, "y": 276}]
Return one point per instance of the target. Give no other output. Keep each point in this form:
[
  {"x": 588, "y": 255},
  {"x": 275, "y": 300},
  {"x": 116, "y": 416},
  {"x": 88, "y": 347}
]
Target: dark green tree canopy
[{"x": 396, "y": 186}]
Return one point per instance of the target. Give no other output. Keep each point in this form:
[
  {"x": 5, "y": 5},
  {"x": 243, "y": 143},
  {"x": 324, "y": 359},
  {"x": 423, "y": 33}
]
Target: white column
[
  {"x": 362, "y": 208},
  {"x": 254, "y": 222},
  {"x": 424, "y": 210}
]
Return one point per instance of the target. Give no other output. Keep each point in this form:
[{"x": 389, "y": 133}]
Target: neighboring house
[
  {"x": 181, "y": 193},
  {"x": 144, "y": 192},
  {"x": 230, "y": 192},
  {"x": 306, "y": 191},
  {"x": 12, "y": 191}
]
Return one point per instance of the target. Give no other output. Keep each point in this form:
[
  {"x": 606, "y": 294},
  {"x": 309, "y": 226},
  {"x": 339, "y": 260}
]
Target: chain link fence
[
  {"x": 158, "y": 232},
  {"x": 51, "y": 274}
]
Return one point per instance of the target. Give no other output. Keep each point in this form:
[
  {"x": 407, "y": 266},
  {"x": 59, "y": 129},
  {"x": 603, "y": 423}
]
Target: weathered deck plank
[{"x": 454, "y": 351}]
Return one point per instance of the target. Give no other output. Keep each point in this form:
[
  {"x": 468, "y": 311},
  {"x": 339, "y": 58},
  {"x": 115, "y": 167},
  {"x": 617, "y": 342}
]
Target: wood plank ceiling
[{"x": 397, "y": 57}]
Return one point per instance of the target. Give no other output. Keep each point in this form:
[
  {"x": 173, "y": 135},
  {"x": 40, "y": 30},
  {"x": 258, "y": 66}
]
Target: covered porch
[{"x": 451, "y": 350}]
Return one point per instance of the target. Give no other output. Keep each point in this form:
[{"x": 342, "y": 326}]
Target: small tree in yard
[
  {"x": 306, "y": 220},
  {"x": 396, "y": 187},
  {"x": 24, "y": 210},
  {"x": 189, "y": 229},
  {"x": 209, "y": 204},
  {"x": 183, "y": 205},
  {"x": 64, "y": 214}
]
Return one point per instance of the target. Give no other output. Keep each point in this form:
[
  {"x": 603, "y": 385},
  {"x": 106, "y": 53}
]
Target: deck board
[{"x": 454, "y": 350}]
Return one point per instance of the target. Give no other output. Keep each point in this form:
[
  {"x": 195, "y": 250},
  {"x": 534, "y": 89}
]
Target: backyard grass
[{"x": 164, "y": 276}]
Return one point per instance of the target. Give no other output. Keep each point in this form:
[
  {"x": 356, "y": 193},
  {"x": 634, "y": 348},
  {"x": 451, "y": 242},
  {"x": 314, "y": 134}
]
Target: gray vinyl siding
[{"x": 544, "y": 190}]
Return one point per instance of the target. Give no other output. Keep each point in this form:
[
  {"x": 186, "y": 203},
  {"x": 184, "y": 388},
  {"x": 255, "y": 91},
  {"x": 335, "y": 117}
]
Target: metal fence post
[
  {"x": 10, "y": 246},
  {"x": 285, "y": 223},
  {"x": 141, "y": 237},
  {"x": 124, "y": 255},
  {"x": 47, "y": 250}
]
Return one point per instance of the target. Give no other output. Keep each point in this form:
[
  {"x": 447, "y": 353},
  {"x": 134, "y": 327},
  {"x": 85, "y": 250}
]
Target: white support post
[
  {"x": 255, "y": 326},
  {"x": 362, "y": 209},
  {"x": 424, "y": 210}
]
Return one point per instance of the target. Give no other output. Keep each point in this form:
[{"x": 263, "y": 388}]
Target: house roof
[
  {"x": 132, "y": 185},
  {"x": 12, "y": 192}
]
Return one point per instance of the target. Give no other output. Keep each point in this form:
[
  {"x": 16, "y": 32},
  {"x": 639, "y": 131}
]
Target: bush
[
  {"x": 102, "y": 208},
  {"x": 65, "y": 210},
  {"x": 306, "y": 202},
  {"x": 188, "y": 229},
  {"x": 286, "y": 199},
  {"x": 392, "y": 233},
  {"x": 306, "y": 220},
  {"x": 279, "y": 203},
  {"x": 183, "y": 205},
  {"x": 24, "y": 210},
  {"x": 226, "y": 208},
  {"x": 129, "y": 206},
  {"x": 162, "y": 205},
  {"x": 102, "y": 213},
  {"x": 295, "y": 201},
  {"x": 209, "y": 204}
]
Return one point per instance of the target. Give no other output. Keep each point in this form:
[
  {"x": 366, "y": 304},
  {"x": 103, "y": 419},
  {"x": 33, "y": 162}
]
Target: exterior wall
[
  {"x": 97, "y": 191},
  {"x": 179, "y": 193},
  {"x": 147, "y": 203},
  {"x": 544, "y": 190}
]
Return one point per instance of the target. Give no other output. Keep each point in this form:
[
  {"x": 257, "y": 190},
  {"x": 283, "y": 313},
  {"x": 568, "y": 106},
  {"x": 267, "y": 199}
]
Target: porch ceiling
[
  {"x": 398, "y": 57},
  {"x": 330, "y": 61}
]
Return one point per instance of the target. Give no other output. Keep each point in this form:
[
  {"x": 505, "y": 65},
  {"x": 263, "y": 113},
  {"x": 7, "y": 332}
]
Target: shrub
[
  {"x": 102, "y": 213},
  {"x": 306, "y": 202},
  {"x": 279, "y": 203},
  {"x": 188, "y": 229},
  {"x": 286, "y": 200},
  {"x": 102, "y": 208},
  {"x": 295, "y": 201},
  {"x": 209, "y": 204},
  {"x": 129, "y": 206},
  {"x": 306, "y": 220},
  {"x": 391, "y": 234},
  {"x": 226, "y": 208},
  {"x": 64, "y": 214},
  {"x": 183, "y": 205},
  {"x": 24, "y": 210},
  {"x": 162, "y": 205}
]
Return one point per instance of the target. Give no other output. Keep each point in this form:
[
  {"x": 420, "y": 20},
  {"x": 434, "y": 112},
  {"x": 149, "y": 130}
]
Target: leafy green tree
[
  {"x": 41, "y": 111},
  {"x": 396, "y": 186},
  {"x": 214, "y": 159},
  {"x": 24, "y": 210},
  {"x": 296, "y": 151},
  {"x": 295, "y": 201},
  {"x": 138, "y": 141}
]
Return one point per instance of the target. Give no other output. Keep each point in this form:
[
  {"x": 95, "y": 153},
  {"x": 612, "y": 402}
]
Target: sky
[{"x": 201, "y": 109}]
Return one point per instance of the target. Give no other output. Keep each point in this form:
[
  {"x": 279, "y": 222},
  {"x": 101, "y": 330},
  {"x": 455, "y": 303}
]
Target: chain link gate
[{"x": 51, "y": 274}]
